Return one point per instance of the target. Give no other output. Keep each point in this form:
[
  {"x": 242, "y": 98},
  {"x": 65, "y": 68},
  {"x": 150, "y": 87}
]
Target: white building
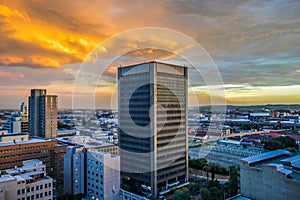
[
  {"x": 26, "y": 183},
  {"x": 103, "y": 175},
  {"x": 271, "y": 175},
  {"x": 79, "y": 161}
]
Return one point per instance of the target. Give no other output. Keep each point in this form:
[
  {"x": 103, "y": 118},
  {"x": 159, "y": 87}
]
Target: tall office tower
[
  {"x": 24, "y": 118},
  {"x": 43, "y": 114},
  {"x": 153, "y": 128}
]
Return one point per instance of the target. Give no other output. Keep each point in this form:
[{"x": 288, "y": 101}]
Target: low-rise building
[
  {"x": 15, "y": 151},
  {"x": 271, "y": 175},
  {"x": 27, "y": 182}
]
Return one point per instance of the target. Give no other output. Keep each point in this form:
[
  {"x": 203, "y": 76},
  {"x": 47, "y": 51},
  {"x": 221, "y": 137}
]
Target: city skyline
[{"x": 255, "y": 44}]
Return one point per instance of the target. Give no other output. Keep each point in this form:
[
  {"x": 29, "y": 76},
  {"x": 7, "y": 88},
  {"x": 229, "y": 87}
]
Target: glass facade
[{"x": 152, "y": 127}]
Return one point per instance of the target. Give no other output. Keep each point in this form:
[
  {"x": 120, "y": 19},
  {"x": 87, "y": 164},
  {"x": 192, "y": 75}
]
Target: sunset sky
[{"x": 254, "y": 43}]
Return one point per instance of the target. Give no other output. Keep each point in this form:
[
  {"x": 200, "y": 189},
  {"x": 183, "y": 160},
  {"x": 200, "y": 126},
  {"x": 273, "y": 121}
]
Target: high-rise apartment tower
[{"x": 43, "y": 114}]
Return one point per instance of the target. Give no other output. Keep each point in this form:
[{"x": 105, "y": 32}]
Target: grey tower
[
  {"x": 153, "y": 139},
  {"x": 43, "y": 114}
]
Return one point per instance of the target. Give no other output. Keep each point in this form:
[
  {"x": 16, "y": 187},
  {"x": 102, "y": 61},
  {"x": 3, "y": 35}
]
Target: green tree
[
  {"x": 215, "y": 193},
  {"x": 233, "y": 181},
  {"x": 182, "y": 194},
  {"x": 205, "y": 194},
  {"x": 282, "y": 142}
]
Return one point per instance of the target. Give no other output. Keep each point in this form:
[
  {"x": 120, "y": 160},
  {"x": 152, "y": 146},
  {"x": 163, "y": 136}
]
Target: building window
[
  {"x": 32, "y": 189},
  {"x": 19, "y": 192},
  {"x": 41, "y": 187},
  {"x": 37, "y": 187}
]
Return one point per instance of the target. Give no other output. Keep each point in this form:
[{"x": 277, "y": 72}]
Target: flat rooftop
[
  {"x": 34, "y": 140},
  {"x": 266, "y": 156},
  {"x": 281, "y": 159},
  {"x": 153, "y": 61}
]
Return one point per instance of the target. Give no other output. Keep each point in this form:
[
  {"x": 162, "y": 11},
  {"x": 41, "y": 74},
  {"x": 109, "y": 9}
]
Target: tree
[
  {"x": 205, "y": 194},
  {"x": 212, "y": 168},
  {"x": 198, "y": 163},
  {"x": 282, "y": 142},
  {"x": 233, "y": 181},
  {"x": 215, "y": 193},
  {"x": 182, "y": 194}
]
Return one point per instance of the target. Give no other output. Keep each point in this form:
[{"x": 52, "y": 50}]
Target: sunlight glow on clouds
[{"x": 255, "y": 44}]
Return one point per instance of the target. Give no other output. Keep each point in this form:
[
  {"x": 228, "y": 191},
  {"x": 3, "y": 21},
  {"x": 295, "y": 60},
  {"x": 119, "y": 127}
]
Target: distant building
[
  {"x": 153, "y": 128},
  {"x": 24, "y": 118},
  {"x": 27, "y": 182},
  {"x": 271, "y": 175},
  {"x": 14, "y": 152},
  {"x": 18, "y": 122},
  {"x": 6, "y": 137},
  {"x": 261, "y": 116},
  {"x": 13, "y": 126},
  {"x": 43, "y": 113}
]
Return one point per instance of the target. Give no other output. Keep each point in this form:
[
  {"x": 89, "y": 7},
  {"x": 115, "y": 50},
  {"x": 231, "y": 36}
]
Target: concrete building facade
[
  {"x": 79, "y": 169},
  {"x": 153, "y": 128},
  {"x": 13, "y": 153},
  {"x": 43, "y": 113},
  {"x": 75, "y": 170},
  {"x": 103, "y": 175},
  {"x": 272, "y": 175},
  {"x": 27, "y": 182}
]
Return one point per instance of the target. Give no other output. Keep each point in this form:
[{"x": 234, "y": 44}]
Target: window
[
  {"x": 23, "y": 191},
  {"x": 28, "y": 189},
  {"x": 37, "y": 196},
  {"x": 32, "y": 197},
  {"x": 41, "y": 187},
  {"x": 46, "y": 185},
  {"x": 41, "y": 195},
  {"x": 32, "y": 189},
  {"x": 37, "y": 187},
  {"x": 19, "y": 192},
  {"x": 49, "y": 192},
  {"x": 46, "y": 194},
  {"x": 49, "y": 184}
]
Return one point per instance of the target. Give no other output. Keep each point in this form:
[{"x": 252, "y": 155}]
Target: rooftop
[
  {"x": 265, "y": 156},
  {"x": 28, "y": 171},
  {"x": 153, "y": 61},
  {"x": 282, "y": 160},
  {"x": 35, "y": 140}
]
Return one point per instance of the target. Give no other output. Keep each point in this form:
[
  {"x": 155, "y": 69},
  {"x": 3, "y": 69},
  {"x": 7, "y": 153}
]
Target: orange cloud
[
  {"x": 12, "y": 13},
  {"x": 34, "y": 43}
]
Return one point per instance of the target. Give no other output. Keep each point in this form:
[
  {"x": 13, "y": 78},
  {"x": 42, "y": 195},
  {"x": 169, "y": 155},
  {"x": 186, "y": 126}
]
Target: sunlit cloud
[{"x": 255, "y": 44}]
